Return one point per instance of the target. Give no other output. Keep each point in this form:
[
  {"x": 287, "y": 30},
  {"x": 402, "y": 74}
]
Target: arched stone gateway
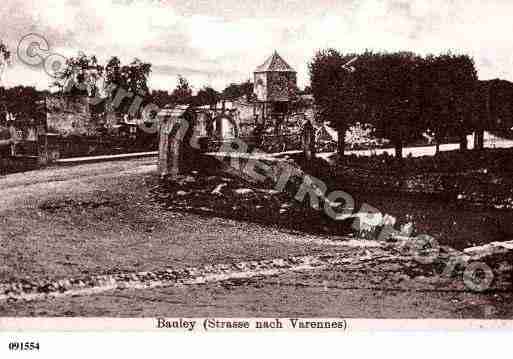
[
  {"x": 203, "y": 124},
  {"x": 226, "y": 127},
  {"x": 213, "y": 125},
  {"x": 184, "y": 133},
  {"x": 176, "y": 127}
]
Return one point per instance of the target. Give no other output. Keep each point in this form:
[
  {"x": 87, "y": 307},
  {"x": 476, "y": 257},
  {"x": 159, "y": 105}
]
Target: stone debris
[
  {"x": 217, "y": 190},
  {"x": 389, "y": 220},
  {"x": 189, "y": 179},
  {"x": 405, "y": 249},
  {"x": 243, "y": 191},
  {"x": 407, "y": 229},
  {"x": 238, "y": 200},
  {"x": 269, "y": 191},
  {"x": 489, "y": 249}
]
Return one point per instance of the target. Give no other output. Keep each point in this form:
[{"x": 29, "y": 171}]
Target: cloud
[{"x": 218, "y": 43}]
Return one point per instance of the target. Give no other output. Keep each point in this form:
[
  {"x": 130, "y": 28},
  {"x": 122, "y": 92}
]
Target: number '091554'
[{"x": 23, "y": 346}]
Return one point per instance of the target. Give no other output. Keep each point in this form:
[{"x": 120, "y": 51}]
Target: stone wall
[
  {"x": 245, "y": 116},
  {"x": 73, "y": 116}
]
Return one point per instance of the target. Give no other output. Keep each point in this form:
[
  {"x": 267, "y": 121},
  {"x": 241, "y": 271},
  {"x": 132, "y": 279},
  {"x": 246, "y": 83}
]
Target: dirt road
[{"x": 96, "y": 219}]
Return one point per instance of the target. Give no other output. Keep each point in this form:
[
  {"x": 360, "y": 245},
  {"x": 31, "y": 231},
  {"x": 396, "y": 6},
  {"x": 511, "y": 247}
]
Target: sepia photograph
[{"x": 255, "y": 165}]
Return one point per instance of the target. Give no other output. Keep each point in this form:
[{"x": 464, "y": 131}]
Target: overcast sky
[{"x": 218, "y": 42}]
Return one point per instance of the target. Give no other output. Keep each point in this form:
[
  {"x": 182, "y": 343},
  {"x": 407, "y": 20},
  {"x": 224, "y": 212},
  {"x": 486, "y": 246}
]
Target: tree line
[
  {"x": 84, "y": 75},
  {"x": 207, "y": 95},
  {"x": 22, "y": 103},
  {"x": 403, "y": 95}
]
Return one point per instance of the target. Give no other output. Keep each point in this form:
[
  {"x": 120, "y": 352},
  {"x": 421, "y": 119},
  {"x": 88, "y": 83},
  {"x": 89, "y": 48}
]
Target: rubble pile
[{"x": 232, "y": 197}]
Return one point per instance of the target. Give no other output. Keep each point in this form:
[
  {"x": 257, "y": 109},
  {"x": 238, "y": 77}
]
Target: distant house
[{"x": 325, "y": 133}]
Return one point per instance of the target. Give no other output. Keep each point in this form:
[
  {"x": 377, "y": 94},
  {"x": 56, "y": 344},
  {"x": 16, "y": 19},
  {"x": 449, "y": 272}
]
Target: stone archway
[
  {"x": 225, "y": 127},
  {"x": 219, "y": 126},
  {"x": 203, "y": 125}
]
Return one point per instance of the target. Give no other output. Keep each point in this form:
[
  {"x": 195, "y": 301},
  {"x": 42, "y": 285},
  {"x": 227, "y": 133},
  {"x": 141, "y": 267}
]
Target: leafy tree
[
  {"x": 135, "y": 77},
  {"x": 493, "y": 109},
  {"x": 131, "y": 79},
  {"x": 113, "y": 72},
  {"x": 334, "y": 90},
  {"x": 437, "y": 98},
  {"x": 5, "y": 56},
  {"x": 449, "y": 82},
  {"x": 463, "y": 83},
  {"x": 162, "y": 98},
  {"x": 80, "y": 76},
  {"x": 23, "y": 102},
  {"x": 235, "y": 91},
  {"x": 400, "y": 94},
  {"x": 183, "y": 92},
  {"x": 206, "y": 96},
  {"x": 389, "y": 88}
]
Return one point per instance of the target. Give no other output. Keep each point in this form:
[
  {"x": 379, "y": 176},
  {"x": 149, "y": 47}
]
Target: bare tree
[{"x": 5, "y": 57}]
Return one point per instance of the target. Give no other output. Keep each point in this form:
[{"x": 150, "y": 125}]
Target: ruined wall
[
  {"x": 245, "y": 116},
  {"x": 260, "y": 86},
  {"x": 68, "y": 115}
]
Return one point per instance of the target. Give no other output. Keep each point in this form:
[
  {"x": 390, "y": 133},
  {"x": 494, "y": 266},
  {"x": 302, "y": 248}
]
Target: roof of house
[
  {"x": 330, "y": 131},
  {"x": 275, "y": 63}
]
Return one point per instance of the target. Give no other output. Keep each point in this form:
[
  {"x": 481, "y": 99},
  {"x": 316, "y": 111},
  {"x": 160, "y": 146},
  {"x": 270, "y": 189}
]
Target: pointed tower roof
[{"x": 275, "y": 63}]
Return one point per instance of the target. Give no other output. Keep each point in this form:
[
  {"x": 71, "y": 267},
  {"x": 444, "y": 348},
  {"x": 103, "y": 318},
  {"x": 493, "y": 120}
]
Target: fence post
[
  {"x": 168, "y": 149},
  {"x": 176, "y": 155},
  {"x": 308, "y": 141}
]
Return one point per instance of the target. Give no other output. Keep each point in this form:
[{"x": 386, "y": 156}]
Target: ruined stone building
[{"x": 69, "y": 115}]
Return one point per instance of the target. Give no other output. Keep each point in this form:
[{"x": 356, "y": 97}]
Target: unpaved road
[{"x": 94, "y": 219}]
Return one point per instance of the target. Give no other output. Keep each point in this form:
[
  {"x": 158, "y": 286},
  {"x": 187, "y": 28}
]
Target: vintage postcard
[{"x": 264, "y": 165}]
